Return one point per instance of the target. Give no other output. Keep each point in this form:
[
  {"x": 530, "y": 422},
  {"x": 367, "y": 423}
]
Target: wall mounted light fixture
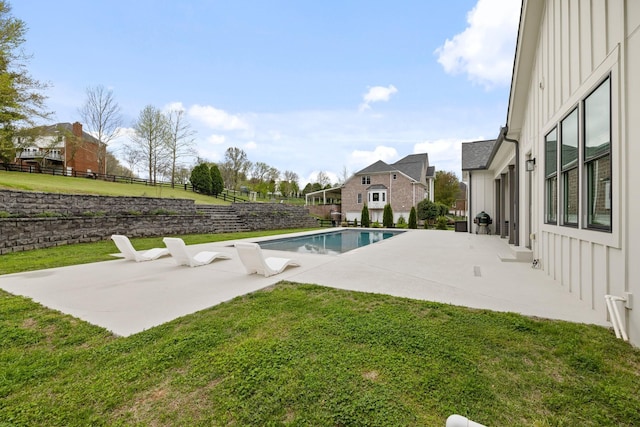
[{"x": 530, "y": 165}]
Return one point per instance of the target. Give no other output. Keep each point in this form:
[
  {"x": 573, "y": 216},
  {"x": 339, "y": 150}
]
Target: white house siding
[
  {"x": 579, "y": 43},
  {"x": 481, "y": 196},
  {"x": 631, "y": 155}
]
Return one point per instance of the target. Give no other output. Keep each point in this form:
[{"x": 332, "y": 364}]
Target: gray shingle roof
[
  {"x": 476, "y": 154},
  {"x": 412, "y": 165},
  {"x": 376, "y": 167}
]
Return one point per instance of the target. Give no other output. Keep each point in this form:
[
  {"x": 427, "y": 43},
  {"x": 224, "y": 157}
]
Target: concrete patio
[{"x": 456, "y": 268}]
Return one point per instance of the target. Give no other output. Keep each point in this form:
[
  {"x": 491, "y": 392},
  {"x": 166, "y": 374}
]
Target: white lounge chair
[
  {"x": 128, "y": 251},
  {"x": 179, "y": 252},
  {"x": 255, "y": 262}
]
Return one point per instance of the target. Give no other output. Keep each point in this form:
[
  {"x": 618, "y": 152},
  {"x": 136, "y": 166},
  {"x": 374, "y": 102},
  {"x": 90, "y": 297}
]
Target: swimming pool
[{"x": 329, "y": 243}]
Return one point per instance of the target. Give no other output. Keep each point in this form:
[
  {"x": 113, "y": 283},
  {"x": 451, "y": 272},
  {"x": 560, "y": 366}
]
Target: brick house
[
  {"x": 402, "y": 184},
  {"x": 64, "y": 147}
]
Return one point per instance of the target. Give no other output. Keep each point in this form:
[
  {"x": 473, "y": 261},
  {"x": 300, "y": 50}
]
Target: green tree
[
  {"x": 201, "y": 179},
  {"x": 387, "y": 216},
  {"x": 364, "y": 217},
  {"x": 22, "y": 102},
  {"x": 413, "y": 222},
  {"x": 217, "y": 184},
  {"x": 446, "y": 188},
  {"x": 428, "y": 211}
]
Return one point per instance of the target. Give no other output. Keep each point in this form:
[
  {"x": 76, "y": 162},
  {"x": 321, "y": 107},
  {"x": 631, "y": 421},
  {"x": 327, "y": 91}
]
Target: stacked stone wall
[{"x": 93, "y": 218}]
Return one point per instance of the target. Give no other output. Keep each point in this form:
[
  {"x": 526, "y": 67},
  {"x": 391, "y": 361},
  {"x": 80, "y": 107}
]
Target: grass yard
[
  {"x": 300, "y": 354},
  {"x": 22, "y": 181}
]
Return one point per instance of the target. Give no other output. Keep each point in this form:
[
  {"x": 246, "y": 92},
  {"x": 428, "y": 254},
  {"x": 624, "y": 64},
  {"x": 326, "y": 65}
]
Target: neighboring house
[
  {"x": 560, "y": 177},
  {"x": 402, "y": 184},
  {"x": 64, "y": 147},
  {"x": 460, "y": 207}
]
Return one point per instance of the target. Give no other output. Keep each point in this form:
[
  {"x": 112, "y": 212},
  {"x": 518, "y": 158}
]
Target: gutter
[{"x": 516, "y": 194}]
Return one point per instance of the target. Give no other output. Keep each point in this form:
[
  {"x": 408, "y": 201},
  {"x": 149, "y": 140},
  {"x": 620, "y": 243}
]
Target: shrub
[
  {"x": 441, "y": 223},
  {"x": 355, "y": 222},
  {"x": 413, "y": 221},
  {"x": 364, "y": 217},
  {"x": 375, "y": 224},
  {"x": 387, "y": 216},
  {"x": 217, "y": 184},
  {"x": 402, "y": 223},
  {"x": 428, "y": 211},
  {"x": 201, "y": 179}
]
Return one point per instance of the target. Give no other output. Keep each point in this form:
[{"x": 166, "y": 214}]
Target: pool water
[{"x": 329, "y": 243}]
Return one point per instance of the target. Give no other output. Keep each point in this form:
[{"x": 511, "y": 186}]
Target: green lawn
[
  {"x": 22, "y": 181},
  {"x": 65, "y": 184},
  {"x": 304, "y": 355}
]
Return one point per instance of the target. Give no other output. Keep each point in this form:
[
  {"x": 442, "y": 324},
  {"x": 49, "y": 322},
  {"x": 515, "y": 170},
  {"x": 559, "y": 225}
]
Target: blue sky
[{"x": 303, "y": 86}]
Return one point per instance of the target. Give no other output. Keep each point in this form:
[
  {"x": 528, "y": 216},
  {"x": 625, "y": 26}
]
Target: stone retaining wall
[
  {"x": 24, "y": 203},
  {"x": 106, "y": 218}
]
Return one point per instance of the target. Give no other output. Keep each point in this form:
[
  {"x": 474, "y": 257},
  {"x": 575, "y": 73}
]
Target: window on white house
[
  {"x": 585, "y": 164},
  {"x": 366, "y": 180},
  {"x": 551, "y": 176},
  {"x": 376, "y": 197},
  {"x": 597, "y": 156},
  {"x": 569, "y": 166}
]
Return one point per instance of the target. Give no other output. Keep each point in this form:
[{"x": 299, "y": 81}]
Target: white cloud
[
  {"x": 444, "y": 154},
  {"x": 216, "y": 139},
  {"x": 174, "y": 106},
  {"x": 216, "y": 118},
  {"x": 360, "y": 159},
  {"x": 377, "y": 94},
  {"x": 250, "y": 146},
  {"x": 485, "y": 49}
]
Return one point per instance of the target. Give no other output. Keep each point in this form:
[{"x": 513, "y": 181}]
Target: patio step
[{"x": 515, "y": 254}]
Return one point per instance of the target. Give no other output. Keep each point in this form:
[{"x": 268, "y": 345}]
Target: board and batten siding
[{"x": 579, "y": 43}]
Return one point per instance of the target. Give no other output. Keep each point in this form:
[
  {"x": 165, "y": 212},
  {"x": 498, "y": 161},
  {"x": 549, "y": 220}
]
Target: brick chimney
[{"x": 77, "y": 129}]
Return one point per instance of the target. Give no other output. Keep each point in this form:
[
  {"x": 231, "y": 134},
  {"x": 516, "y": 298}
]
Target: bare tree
[
  {"x": 180, "y": 141},
  {"x": 132, "y": 157},
  {"x": 323, "y": 179},
  {"x": 150, "y": 138},
  {"x": 344, "y": 176},
  {"x": 102, "y": 116},
  {"x": 235, "y": 164}
]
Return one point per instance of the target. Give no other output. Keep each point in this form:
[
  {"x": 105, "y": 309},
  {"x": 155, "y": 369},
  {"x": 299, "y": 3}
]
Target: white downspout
[{"x": 614, "y": 313}]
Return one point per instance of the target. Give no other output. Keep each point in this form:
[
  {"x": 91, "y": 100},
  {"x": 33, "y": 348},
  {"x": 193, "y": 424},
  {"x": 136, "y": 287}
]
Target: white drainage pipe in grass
[
  {"x": 460, "y": 421},
  {"x": 614, "y": 313}
]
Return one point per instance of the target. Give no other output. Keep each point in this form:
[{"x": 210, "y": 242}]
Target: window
[
  {"x": 376, "y": 197},
  {"x": 597, "y": 156},
  {"x": 578, "y": 152},
  {"x": 366, "y": 180},
  {"x": 551, "y": 176},
  {"x": 359, "y": 198},
  {"x": 395, "y": 176},
  {"x": 569, "y": 162}
]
